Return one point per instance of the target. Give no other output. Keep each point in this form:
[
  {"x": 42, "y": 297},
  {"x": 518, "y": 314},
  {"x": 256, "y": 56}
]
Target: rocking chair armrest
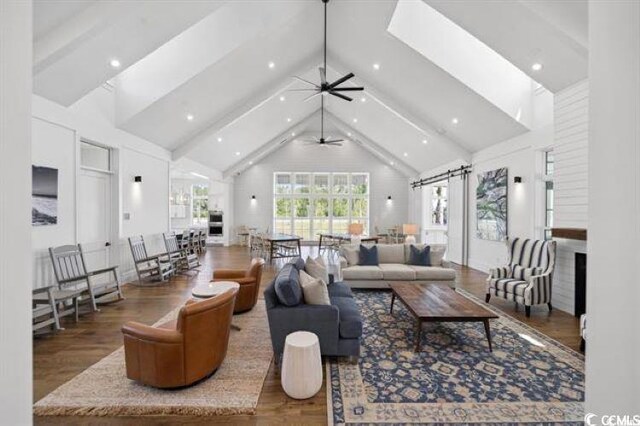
[
  {"x": 102, "y": 271},
  {"x": 150, "y": 258},
  {"x": 47, "y": 289}
]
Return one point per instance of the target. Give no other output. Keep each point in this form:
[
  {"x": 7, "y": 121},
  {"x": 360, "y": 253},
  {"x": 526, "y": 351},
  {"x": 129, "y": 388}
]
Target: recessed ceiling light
[
  {"x": 363, "y": 99},
  {"x": 536, "y": 67},
  {"x": 455, "y": 120},
  {"x": 190, "y": 117},
  {"x": 237, "y": 152},
  {"x": 115, "y": 63},
  {"x": 282, "y": 98},
  {"x": 349, "y": 134},
  {"x": 355, "y": 120},
  {"x": 424, "y": 141},
  {"x": 405, "y": 154},
  {"x": 288, "y": 119},
  {"x": 272, "y": 65},
  {"x": 293, "y": 133},
  {"x": 376, "y": 66},
  {"x": 219, "y": 139},
  {"x": 392, "y": 163},
  {"x": 250, "y": 163}
]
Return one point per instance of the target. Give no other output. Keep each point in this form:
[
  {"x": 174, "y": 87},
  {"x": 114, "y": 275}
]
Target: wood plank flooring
[{"x": 60, "y": 357}]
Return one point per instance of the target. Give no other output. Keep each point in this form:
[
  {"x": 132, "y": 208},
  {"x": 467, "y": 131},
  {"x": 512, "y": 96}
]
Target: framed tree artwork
[{"x": 491, "y": 205}]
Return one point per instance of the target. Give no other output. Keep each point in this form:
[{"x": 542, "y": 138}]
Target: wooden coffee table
[{"x": 439, "y": 303}]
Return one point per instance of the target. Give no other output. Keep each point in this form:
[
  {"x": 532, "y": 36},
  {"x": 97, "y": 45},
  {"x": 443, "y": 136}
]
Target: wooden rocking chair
[
  {"x": 181, "y": 259},
  {"x": 149, "y": 267},
  {"x": 71, "y": 273}
]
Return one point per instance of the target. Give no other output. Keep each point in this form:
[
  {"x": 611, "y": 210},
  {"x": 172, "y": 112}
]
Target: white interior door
[{"x": 94, "y": 217}]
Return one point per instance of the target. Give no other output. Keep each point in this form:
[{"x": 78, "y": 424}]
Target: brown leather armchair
[
  {"x": 249, "y": 281},
  {"x": 179, "y": 353}
]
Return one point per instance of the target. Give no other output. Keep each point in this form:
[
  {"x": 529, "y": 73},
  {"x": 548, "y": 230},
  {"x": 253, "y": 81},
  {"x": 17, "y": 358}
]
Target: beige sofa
[{"x": 393, "y": 266}]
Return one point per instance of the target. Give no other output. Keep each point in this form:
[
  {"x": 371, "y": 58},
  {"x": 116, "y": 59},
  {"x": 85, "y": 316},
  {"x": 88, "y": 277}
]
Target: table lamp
[{"x": 410, "y": 230}]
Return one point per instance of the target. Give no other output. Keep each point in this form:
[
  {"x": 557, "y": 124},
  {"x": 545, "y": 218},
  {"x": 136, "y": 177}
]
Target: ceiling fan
[
  {"x": 322, "y": 141},
  {"x": 326, "y": 88}
]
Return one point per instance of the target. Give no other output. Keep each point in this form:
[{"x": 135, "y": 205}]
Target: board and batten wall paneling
[
  {"x": 296, "y": 156},
  {"x": 570, "y": 182}
]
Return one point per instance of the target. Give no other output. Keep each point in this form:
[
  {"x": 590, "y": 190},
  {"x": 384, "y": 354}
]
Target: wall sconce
[
  {"x": 389, "y": 198},
  {"x": 253, "y": 197},
  {"x": 137, "y": 178},
  {"x": 517, "y": 179}
]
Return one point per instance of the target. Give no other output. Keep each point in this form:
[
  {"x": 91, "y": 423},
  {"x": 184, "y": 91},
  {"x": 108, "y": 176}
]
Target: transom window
[{"x": 307, "y": 204}]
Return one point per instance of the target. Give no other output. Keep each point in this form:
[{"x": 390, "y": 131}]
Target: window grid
[
  {"x": 200, "y": 204},
  {"x": 306, "y": 204}
]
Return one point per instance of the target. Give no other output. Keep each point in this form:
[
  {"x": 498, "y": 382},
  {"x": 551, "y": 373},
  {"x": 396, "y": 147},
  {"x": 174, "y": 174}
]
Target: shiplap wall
[{"x": 570, "y": 182}]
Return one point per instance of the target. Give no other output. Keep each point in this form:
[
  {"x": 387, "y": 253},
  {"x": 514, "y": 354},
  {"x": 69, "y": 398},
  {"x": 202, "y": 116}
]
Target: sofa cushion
[
  {"x": 397, "y": 271},
  {"x": 509, "y": 285},
  {"x": 314, "y": 290},
  {"x": 317, "y": 269},
  {"x": 419, "y": 257},
  {"x": 339, "y": 289},
  {"x": 362, "y": 273},
  {"x": 287, "y": 286},
  {"x": 433, "y": 273},
  {"x": 391, "y": 253},
  {"x": 368, "y": 256},
  {"x": 298, "y": 263},
  {"x": 349, "y": 317},
  {"x": 350, "y": 253},
  {"x": 436, "y": 252}
]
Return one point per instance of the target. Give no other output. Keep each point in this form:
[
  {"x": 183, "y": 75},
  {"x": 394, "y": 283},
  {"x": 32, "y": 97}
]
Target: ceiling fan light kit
[{"x": 325, "y": 88}]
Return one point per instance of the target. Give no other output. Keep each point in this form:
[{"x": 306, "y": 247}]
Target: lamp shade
[{"x": 410, "y": 229}]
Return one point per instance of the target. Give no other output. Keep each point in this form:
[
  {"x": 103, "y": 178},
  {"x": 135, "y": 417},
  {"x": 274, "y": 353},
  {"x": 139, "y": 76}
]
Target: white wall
[
  {"x": 56, "y": 135},
  {"x": 296, "y": 156},
  {"x": 613, "y": 340},
  {"x": 570, "y": 184},
  {"x": 15, "y": 219}
]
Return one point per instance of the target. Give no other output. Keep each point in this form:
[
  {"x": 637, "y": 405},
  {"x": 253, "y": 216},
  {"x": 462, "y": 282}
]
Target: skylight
[{"x": 463, "y": 56}]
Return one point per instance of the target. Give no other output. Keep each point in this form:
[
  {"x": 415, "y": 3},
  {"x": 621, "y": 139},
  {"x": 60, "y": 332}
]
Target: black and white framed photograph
[{"x": 44, "y": 196}]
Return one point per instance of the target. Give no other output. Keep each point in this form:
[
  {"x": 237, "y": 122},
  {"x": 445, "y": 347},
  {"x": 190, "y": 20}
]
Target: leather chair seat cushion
[
  {"x": 397, "y": 271},
  {"x": 349, "y": 317},
  {"x": 339, "y": 289},
  {"x": 433, "y": 273},
  {"x": 362, "y": 273},
  {"x": 509, "y": 285},
  {"x": 287, "y": 286}
]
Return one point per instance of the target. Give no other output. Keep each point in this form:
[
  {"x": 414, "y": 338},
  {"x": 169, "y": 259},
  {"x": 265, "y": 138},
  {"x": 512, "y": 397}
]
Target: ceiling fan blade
[
  {"x": 346, "y": 98},
  {"x": 341, "y": 80},
  {"x": 347, "y": 89},
  {"x": 323, "y": 75},
  {"x": 302, "y": 90},
  {"x": 333, "y": 143},
  {"x": 334, "y": 140},
  {"x": 306, "y": 81},
  {"x": 308, "y": 98}
]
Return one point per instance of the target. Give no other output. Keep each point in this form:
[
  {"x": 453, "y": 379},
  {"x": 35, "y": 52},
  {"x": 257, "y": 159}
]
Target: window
[
  {"x": 548, "y": 194},
  {"x": 439, "y": 205},
  {"x": 307, "y": 204},
  {"x": 200, "y": 205},
  {"x": 95, "y": 157}
]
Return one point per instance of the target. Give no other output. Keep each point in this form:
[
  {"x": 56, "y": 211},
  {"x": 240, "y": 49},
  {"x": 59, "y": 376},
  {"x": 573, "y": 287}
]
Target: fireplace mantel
[{"x": 579, "y": 234}]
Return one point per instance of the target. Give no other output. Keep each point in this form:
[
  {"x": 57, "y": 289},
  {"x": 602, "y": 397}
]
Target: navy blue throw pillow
[
  {"x": 420, "y": 257},
  {"x": 368, "y": 256},
  {"x": 287, "y": 285}
]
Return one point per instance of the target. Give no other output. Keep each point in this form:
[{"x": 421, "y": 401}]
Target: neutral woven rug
[
  {"x": 104, "y": 390},
  {"x": 455, "y": 379}
]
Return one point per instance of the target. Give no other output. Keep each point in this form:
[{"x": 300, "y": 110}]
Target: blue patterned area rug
[{"x": 455, "y": 379}]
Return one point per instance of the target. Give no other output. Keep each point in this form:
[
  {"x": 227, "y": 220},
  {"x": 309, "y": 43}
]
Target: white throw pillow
[
  {"x": 316, "y": 268},
  {"x": 351, "y": 253},
  {"x": 314, "y": 290}
]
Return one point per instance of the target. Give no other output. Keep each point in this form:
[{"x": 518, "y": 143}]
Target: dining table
[{"x": 282, "y": 246}]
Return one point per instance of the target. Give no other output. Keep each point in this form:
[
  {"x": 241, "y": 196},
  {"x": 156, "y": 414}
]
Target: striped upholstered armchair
[{"x": 527, "y": 277}]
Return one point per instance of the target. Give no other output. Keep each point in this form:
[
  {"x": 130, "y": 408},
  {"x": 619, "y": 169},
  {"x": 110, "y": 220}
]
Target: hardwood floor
[{"x": 59, "y": 357}]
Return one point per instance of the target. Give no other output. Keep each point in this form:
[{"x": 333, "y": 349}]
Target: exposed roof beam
[
  {"x": 247, "y": 108},
  {"x": 371, "y": 146},
  {"x": 270, "y": 146}
]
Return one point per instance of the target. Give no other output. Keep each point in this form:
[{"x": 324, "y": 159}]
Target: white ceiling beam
[
  {"x": 271, "y": 146},
  {"x": 239, "y": 113},
  {"x": 373, "y": 147}
]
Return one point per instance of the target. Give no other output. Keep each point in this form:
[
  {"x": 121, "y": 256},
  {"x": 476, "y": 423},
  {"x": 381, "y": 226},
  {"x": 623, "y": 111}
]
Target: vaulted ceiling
[{"x": 212, "y": 80}]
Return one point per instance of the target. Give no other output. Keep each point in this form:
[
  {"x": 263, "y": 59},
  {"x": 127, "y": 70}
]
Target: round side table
[
  {"x": 301, "y": 372},
  {"x": 207, "y": 290}
]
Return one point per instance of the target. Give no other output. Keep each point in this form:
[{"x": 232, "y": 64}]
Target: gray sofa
[
  {"x": 338, "y": 326},
  {"x": 394, "y": 266}
]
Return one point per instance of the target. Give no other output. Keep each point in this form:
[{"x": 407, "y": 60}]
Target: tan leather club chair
[
  {"x": 179, "y": 353},
  {"x": 249, "y": 281}
]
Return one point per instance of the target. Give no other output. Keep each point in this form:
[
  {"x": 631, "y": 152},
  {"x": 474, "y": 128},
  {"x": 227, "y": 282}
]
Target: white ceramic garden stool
[{"x": 301, "y": 371}]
